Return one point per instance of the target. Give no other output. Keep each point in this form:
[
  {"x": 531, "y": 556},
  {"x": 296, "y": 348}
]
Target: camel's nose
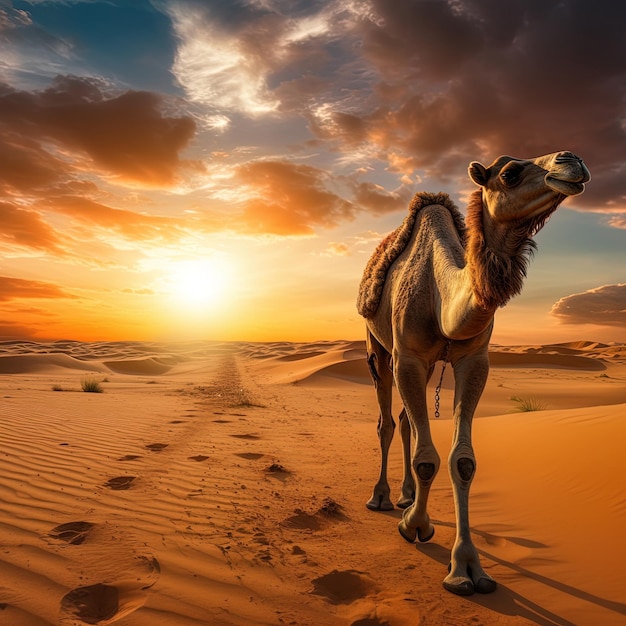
[{"x": 566, "y": 158}]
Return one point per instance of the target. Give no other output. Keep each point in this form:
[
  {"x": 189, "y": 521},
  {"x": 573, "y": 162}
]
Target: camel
[{"x": 429, "y": 293}]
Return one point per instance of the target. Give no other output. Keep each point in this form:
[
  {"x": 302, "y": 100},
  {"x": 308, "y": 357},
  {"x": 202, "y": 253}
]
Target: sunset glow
[
  {"x": 199, "y": 284},
  {"x": 238, "y": 162}
]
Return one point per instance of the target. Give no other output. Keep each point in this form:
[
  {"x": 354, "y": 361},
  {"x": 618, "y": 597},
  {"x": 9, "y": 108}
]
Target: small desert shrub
[
  {"x": 57, "y": 388},
  {"x": 526, "y": 404},
  {"x": 91, "y": 385}
]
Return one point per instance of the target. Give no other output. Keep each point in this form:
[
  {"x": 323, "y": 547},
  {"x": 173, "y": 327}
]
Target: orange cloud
[
  {"x": 289, "y": 199},
  {"x": 375, "y": 199},
  {"x": 19, "y": 288},
  {"x": 127, "y": 135},
  {"x": 605, "y": 306},
  {"x": 26, "y": 228},
  {"x": 128, "y": 224}
]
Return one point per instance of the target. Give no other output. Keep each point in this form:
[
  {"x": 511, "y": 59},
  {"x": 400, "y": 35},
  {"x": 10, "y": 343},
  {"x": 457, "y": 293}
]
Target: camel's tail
[{"x": 392, "y": 245}]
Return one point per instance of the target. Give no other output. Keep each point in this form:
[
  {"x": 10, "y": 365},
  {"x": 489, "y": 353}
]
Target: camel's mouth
[{"x": 566, "y": 187}]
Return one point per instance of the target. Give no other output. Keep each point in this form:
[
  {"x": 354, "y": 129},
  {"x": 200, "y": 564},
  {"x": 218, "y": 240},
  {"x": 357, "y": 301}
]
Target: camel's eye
[{"x": 511, "y": 175}]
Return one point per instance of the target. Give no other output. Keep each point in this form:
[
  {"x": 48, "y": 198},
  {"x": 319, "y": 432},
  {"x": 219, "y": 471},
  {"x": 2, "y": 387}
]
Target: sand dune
[{"x": 224, "y": 484}]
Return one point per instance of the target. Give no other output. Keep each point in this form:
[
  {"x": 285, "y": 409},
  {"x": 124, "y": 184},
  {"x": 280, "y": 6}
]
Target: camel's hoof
[
  {"x": 378, "y": 503},
  {"x": 411, "y": 534},
  {"x": 485, "y": 585},
  {"x": 404, "y": 502},
  {"x": 408, "y": 534},
  {"x": 459, "y": 586},
  {"x": 428, "y": 536}
]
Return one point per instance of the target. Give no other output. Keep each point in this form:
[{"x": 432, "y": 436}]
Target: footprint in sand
[
  {"x": 198, "y": 457},
  {"x": 120, "y": 483},
  {"x": 246, "y": 436},
  {"x": 129, "y": 457},
  {"x": 251, "y": 456},
  {"x": 156, "y": 447},
  {"x": 73, "y": 533},
  {"x": 344, "y": 587},
  {"x": 93, "y": 604}
]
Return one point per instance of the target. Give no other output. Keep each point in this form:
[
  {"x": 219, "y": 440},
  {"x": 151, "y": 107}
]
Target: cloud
[
  {"x": 289, "y": 199},
  {"x": 19, "y": 288},
  {"x": 222, "y": 56},
  {"x": 26, "y": 228},
  {"x": 15, "y": 330},
  {"x": 375, "y": 199},
  {"x": 618, "y": 221},
  {"x": 336, "y": 248},
  {"x": 604, "y": 306},
  {"x": 461, "y": 81},
  {"x": 128, "y": 224},
  {"x": 127, "y": 135}
]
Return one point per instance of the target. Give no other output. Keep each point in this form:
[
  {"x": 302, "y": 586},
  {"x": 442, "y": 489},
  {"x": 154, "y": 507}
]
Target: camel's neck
[
  {"x": 496, "y": 255},
  {"x": 491, "y": 273}
]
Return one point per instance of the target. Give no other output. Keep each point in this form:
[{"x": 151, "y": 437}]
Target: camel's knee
[
  {"x": 462, "y": 463},
  {"x": 466, "y": 468},
  {"x": 426, "y": 466},
  {"x": 425, "y": 471}
]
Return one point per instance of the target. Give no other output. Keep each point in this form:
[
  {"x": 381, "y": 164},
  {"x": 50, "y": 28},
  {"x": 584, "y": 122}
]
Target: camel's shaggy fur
[{"x": 496, "y": 278}]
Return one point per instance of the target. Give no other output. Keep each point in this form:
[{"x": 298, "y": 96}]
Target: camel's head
[{"x": 529, "y": 189}]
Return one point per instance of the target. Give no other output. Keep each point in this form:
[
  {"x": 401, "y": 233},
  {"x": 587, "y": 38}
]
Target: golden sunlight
[{"x": 200, "y": 283}]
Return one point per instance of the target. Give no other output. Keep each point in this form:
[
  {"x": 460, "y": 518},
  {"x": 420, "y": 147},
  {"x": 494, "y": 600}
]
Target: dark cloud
[
  {"x": 127, "y": 135},
  {"x": 458, "y": 81},
  {"x": 19, "y": 288},
  {"x": 604, "y": 306}
]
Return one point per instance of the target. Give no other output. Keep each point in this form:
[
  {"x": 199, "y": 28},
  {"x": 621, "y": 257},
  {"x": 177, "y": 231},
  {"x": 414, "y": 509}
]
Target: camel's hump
[{"x": 392, "y": 245}]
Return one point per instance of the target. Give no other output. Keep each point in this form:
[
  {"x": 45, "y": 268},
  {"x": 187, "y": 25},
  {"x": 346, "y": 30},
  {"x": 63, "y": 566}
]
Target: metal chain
[{"x": 443, "y": 369}]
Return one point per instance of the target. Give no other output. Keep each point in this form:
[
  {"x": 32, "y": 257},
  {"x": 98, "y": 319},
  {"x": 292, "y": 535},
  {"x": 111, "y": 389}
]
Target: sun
[{"x": 200, "y": 283}]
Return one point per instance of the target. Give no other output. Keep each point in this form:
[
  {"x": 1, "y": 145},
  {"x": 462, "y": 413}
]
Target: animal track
[
  {"x": 129, "y": 457},
  {"x": 98, "y": 603},
  {"x": 93, "y": 603},
  {"x": 246, "y": 436},
  {"x": 73, "y": 533},
  {"x": 198, "y": 457},
  {"x": 344, "y": 587},
  {"x": 251, "y": 456},
  {"x": 156, "y": 447},
  {"x": 120, "y": 483}
]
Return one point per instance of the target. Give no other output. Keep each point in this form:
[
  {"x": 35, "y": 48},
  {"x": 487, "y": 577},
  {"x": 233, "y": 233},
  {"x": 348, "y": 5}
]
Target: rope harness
[{"x": 446, "y": 353}]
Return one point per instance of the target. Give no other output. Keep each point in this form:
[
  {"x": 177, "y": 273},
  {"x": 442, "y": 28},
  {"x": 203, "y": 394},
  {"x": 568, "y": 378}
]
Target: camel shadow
[{"x": 509, "y": 602}]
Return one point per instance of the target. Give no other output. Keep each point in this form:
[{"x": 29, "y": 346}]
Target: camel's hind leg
[
  {"x": 407, "y": 494},
  {"x": 411, "y": 375},
  {"x": 379, "y": 361}
]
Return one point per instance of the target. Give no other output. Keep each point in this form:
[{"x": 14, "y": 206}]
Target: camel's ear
[{"x": 478, "y": 173}]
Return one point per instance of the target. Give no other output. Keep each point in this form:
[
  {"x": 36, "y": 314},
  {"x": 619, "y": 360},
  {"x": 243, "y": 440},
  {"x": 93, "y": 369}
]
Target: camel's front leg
[
  {"x": 466, "y": 574},
  {"x": 411, "y": 375}
]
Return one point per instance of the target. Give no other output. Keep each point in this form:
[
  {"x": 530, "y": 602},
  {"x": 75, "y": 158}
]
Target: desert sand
[{"x": 225, "y": 484}]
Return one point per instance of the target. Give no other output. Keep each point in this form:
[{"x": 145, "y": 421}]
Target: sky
[{"x": 223, "y": 169}]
